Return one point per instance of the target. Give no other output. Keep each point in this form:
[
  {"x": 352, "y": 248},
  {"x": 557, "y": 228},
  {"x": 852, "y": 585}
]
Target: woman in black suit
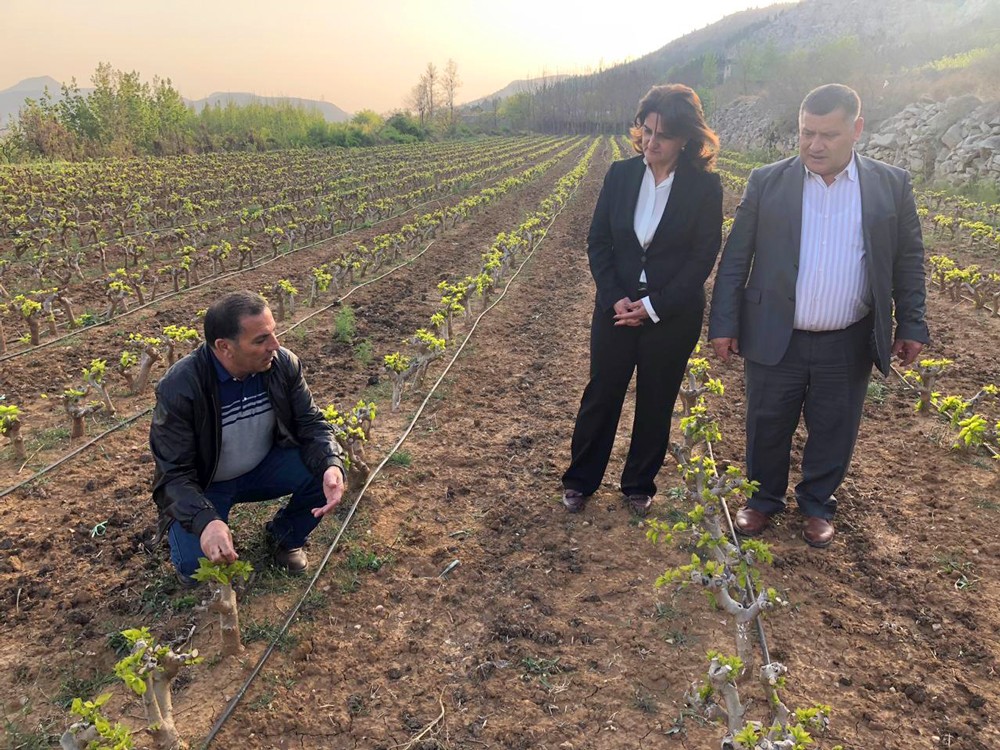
[{"x": 653, "y": 240}]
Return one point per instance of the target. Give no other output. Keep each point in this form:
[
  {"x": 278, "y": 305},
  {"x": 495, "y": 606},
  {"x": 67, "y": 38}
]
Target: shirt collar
[
  {"x": 649, "y": 174},
  {"x": 221, "y": 372},
  {"x": 851, "y": 170}
]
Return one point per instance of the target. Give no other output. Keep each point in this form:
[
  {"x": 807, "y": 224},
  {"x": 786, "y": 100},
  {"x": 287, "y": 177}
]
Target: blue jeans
[{"x": 280, "y": 473}]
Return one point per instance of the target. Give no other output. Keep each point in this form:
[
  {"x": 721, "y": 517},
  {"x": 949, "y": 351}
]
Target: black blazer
[
  {"x": 754, "y": 295},
  {"x": 682, "y": 251}
]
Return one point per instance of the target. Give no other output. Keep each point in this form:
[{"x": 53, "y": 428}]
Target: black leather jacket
[{"x": 186, "y": 432}]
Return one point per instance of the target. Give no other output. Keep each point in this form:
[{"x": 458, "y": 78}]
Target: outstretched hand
[{"x": 333, "y": 490}]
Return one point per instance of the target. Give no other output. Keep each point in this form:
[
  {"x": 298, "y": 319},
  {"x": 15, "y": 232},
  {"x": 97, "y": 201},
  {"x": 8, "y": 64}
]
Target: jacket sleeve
[
  {"x": 320, "y": 449},
  {"x": 908, "y": 284},
  {"x": 600, "y": 250},
  {"x": 734, "y": 268},
  {"x": 174, "y": 446},
  {"x": 684, "y": 289}
]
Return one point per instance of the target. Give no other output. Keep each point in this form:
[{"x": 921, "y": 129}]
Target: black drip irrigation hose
[
  {"x": 215, "y": 279},
  {"x": 79, "y": 449},
  {"x": 228, "y": 213},
  {"x": 238, "y": 697},
  {"x": 135, "y": 417}
]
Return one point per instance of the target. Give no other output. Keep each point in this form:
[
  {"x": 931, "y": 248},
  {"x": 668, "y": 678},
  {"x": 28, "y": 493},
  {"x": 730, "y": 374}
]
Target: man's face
[
  {"x": 826, "y": 142},
  {"x": 253, "y": 350}
]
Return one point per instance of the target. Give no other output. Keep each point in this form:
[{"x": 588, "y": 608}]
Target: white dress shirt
[
  {"x": 832, "y": 289},
  {"x": 648, "y": 212}
]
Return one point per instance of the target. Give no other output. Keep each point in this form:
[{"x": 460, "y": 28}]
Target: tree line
[{"x": 125, "y": 116}]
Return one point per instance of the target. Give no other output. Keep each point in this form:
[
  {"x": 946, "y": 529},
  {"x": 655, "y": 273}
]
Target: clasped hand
[{"x": 629, "y": 313}]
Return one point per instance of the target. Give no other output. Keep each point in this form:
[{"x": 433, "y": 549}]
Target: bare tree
[
  {"x": 431, "y": 80},
  {"x": 418, "y": 99},
  {"x": 449, "y": 85}
]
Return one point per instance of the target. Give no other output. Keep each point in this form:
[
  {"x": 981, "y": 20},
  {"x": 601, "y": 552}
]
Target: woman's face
[{"x": 660, "y": 148}]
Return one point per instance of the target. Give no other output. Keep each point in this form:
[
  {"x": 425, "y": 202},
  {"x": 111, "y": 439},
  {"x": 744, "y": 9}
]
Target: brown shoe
[
  {"x": 751, "y": 522},
  {"x": 574, "y": 501},
  {"x": 639, "y": 505},
  {"x": 293, "y": 560},
  {"x": 818, "y": 532}
]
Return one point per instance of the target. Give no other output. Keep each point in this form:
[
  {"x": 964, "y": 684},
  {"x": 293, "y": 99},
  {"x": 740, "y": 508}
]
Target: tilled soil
[{"x": 548, "y": 632}]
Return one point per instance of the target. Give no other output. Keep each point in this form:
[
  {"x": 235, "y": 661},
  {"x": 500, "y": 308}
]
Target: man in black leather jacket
[{"x": 235, "y": 422}]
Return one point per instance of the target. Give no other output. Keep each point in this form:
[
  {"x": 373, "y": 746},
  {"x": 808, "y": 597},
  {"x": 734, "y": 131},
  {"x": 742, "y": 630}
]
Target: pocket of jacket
[{"x": 752, "y": 295}]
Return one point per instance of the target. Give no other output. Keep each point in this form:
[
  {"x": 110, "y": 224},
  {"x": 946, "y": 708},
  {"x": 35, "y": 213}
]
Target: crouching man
[{"x": 235, "y": 422}]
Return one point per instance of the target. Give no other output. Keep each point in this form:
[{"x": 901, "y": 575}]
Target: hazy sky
[{"x": 357, "y": 55}]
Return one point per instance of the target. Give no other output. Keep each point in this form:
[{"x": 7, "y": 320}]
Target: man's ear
[{"x": 222, "y": 347}]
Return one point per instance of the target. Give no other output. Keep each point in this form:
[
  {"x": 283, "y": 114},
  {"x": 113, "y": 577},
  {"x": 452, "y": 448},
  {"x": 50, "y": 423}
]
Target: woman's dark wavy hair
[{"x": 681, "y": 116}]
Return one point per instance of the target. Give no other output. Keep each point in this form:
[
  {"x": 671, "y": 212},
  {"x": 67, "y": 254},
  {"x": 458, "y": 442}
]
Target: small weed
[
  {"x": 265, "y": 630},
  {"x": 877, "y": 393},
  {"x": 541, "y": 667},
  {"x": 401, "y": 458},
  {"x": 281, "y": 680},
  {"x": 50, "y": 438},
  {"x": 345, "y": 325},
  {"x": 314, "y": 602},
  {"x": 676, "y": 638},
  {"x": 75, "y": 686},
  {"x": 951, "y": 564},
  {"x": 363, "y": 352},
  {"x": 156, "y": 595},
  {"x": 263, "y": 702},
  {"x": 663, "y": 611},
  {"x": 356, "y": 704},
  {"x": 964, "y": 582},
  {"x": 348, "y": 583},
  {"x": 677, "y": 494},
  {"x": 118, "y": 644},
  {"x": 39, "y": 738},
  {"x": 379, "y": 393},
  {"x": 182, "y": 603},
  {"x": 359, "y": 559},
  {"x": 988, "y": 505},
  {"x": 644, "y": 701}
]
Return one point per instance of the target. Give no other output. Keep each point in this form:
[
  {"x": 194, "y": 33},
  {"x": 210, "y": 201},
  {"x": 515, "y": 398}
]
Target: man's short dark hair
[
  {"x": 825, "y": 99},
  {"x": 222, "y": 321}
]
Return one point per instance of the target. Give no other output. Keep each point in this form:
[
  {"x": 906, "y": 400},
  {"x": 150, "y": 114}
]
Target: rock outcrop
[{"x": 957, "y": 140}]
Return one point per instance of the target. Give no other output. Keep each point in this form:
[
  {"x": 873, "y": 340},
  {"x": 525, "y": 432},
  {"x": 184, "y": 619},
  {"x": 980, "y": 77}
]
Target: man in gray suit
[{"x": 825, "y": 249}]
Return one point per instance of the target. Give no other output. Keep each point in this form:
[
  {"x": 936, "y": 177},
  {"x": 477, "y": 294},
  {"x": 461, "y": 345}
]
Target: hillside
[{"x": 890, "y": 50}]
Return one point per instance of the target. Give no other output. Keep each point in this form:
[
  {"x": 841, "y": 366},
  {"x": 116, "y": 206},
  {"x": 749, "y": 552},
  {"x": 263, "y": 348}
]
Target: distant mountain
[
  {"x": 12, "y": 99},
  {"x": 520, "y": 86},
  {"x": 331, "y": 112}
]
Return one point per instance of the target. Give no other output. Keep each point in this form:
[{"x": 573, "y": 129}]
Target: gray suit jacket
[{"x": 754, "y": 295}]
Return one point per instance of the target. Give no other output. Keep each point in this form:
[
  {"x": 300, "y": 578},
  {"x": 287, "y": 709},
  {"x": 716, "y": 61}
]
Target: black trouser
[
  {"x": 659, "y": 353},
  {"x": 823, "y": 376}
]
